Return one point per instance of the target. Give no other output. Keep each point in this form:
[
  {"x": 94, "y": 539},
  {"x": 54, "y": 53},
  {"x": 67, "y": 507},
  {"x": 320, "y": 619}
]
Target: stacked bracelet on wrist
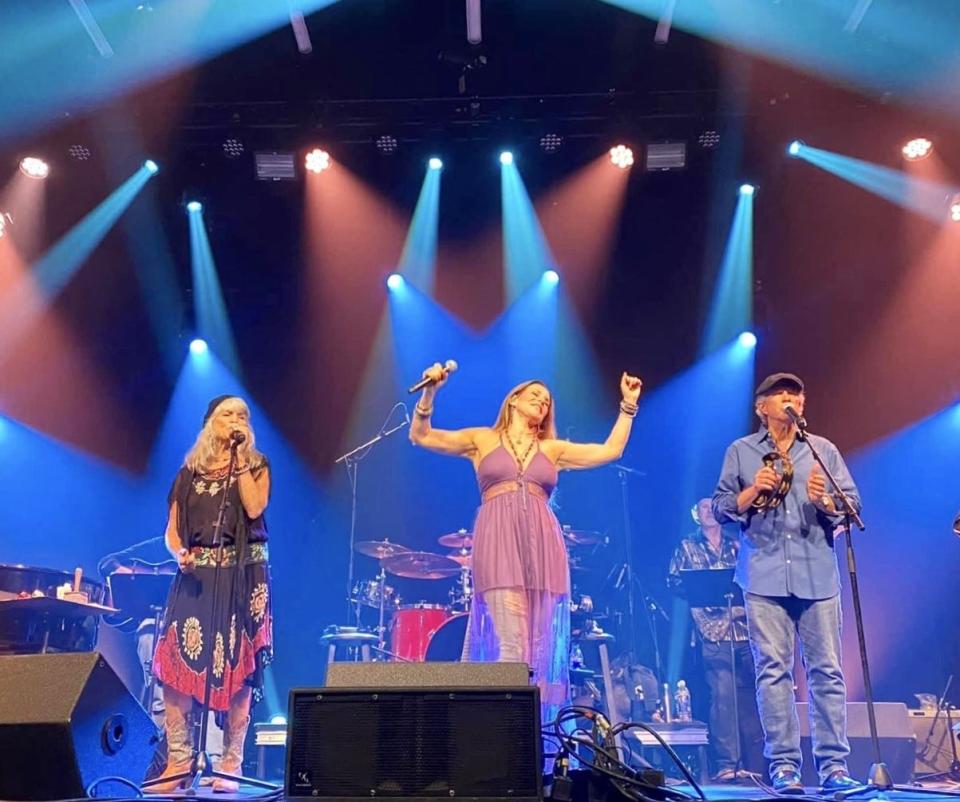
[
  {"x": 629, "y": 409},
  {"x": 422, "y": 412}
]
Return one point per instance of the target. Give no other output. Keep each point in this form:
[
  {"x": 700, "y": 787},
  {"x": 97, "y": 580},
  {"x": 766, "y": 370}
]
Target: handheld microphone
[
  {"x": 450, "y": 366},
  {"x": 796, "y": 417},
  {"x": 236, "y": 438}
]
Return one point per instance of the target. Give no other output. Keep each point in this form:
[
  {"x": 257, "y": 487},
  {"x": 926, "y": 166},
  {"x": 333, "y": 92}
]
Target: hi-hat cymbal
[
  {"x": 421, "y": 565},
  {"x": 581, "y": 537},
  {"x": 379, "y": 549},
  {"x": 457, "y": 540}
]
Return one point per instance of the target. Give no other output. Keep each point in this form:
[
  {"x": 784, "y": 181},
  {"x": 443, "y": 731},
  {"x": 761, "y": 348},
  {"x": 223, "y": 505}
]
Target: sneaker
[
  {"x": 787, "y": 781},
  {"x": 839, "y": 780}
]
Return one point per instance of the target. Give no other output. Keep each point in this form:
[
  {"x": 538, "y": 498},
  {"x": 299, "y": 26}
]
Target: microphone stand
[
  {"x": 351, "y": 460},
  {"x": 200, "y": 763},
  {"x": 878, "y": 777}
]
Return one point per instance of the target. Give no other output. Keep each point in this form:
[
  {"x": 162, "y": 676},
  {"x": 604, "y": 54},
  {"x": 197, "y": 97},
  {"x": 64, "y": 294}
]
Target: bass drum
[{"x": 446, "y": 643}]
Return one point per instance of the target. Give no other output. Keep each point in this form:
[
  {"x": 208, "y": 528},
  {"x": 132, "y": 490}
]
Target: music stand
[{"x": 714, "y": 587}]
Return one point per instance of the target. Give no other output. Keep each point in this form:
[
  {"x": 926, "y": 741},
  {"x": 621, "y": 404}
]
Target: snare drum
[{"x": 413, "y": 626}]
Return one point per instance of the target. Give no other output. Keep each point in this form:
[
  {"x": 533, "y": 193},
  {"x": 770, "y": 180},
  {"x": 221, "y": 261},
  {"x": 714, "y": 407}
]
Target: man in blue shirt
[{"x": 788, "y": 571}]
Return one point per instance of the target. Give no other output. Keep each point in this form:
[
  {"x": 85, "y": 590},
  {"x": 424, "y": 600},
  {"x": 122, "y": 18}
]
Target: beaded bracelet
[
  {"x": 421, "y": 412},
  {"x": 628, "y": 409}
]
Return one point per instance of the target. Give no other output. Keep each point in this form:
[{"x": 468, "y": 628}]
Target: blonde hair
[
  {"x": 548, "y": 427},
  {"x": 202, "y": 454}
]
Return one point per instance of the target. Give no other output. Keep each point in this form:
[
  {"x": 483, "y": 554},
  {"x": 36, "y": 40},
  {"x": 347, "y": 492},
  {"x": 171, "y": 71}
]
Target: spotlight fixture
[
  {"x": 917, "y": 149},
  {"x": 394, "y": 281},
  {"x": 387, "y": 144},
  {"x": 747, "y": 189},
  {"x": 955, "y": 208},
  {"x": 551, "y": 143},
  {"x": 794, "y": 147},
  {"x": 317, "y": 161},
  {"x": 275, "y": 166},
  {"x": 198, "y": 346},
  {"x": 232, "y": 147},
  {"x": 709, "y": 139},
  {"x": 32, "y": 167},
  {"x": 435, "y": 163},
  {"x": 79, "y": 153},
  {"x": 506, "y": 157},
  {"x": 663, "y": 156},
  {"x": 621, "y": 156},
  {"x": 551, "y": 276},
  {"x": 194, "y": 207},
  {"x": 747, "y": 339},
  {"x": 151, "y": 166}
]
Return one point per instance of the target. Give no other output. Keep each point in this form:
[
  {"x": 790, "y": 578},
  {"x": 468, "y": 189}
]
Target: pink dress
[{"x": 521, "y": 606}]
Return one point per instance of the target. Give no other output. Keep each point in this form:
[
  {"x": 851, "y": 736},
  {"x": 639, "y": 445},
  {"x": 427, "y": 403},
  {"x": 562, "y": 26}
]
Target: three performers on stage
[{"x": 769, "y": 486}]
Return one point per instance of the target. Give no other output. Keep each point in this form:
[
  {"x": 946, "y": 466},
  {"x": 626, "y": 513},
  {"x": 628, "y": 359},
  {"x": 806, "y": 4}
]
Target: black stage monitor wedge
[
  {"x": 66, "y": 720},
  {"x": 416, "y": 731}
]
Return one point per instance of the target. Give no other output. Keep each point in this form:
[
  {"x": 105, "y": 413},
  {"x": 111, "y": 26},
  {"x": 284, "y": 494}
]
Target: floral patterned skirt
[{"x": 236, "y": 646}]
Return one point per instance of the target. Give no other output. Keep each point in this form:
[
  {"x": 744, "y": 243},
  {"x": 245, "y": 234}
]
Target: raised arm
[
  {"x": 454, "y": 442},
  {"x": 591, "y": 455}
]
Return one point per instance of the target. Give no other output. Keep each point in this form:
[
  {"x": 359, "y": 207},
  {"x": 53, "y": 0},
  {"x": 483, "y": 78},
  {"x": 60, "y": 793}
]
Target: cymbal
[
  {"x": 581, "y": 537},
  {"x": 576, "y": 565},
  {"x": 379, "y": 549},
  {"x": 462, "y": 556},
  {"x": 421, "y": 565},
  {"x": 457, "y": 540}
]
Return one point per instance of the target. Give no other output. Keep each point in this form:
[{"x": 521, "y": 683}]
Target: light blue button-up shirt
[{"x": 789, "y": 550}]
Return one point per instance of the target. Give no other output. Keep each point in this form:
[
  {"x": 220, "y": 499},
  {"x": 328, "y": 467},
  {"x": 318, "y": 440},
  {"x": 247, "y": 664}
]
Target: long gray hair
[{"x": 202, "y": 454}]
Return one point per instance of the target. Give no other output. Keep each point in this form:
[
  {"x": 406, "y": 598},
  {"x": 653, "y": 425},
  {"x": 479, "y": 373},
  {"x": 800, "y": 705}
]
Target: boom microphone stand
[
  {"x": 200, "y": 763},
  {"x": 878, "y": 778}
]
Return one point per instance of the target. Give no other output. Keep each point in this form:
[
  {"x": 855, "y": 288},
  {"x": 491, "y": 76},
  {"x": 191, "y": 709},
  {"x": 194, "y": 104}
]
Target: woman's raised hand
[
  {"x": 437, "y": 374},
  {"x": 630, "y": 387}
]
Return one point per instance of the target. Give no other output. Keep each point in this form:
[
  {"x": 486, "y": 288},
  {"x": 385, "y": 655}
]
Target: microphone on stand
[
  {"x": 450, "y": 366},
  {"x": 236, "y": 438},
  {"x": 796, "y": 417}
]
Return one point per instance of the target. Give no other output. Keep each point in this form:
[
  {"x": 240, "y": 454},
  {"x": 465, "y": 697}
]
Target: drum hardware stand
[
  {"x": 351, "y": 461},
  {"x": 943, "y": 706},
  {"x": 878, "y": 778},
  {"x": 200, "y": 763}
]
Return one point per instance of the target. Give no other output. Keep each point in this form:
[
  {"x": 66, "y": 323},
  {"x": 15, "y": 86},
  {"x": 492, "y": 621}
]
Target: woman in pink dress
[{"x": 521, "y": 610}]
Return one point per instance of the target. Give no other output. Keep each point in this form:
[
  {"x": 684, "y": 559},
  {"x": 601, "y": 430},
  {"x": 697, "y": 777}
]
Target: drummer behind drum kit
[{"x": 425, "y": 632}]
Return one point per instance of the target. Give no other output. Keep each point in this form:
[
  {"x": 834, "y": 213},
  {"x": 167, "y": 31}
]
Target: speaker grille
[{"x": 406, "y": 743}]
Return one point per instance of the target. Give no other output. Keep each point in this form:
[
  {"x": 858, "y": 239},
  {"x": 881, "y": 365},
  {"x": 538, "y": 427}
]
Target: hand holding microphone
[{"x": 434, "y": 376}]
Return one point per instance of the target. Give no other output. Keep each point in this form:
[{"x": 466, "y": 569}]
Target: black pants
[{"x": 719, "y": 675}]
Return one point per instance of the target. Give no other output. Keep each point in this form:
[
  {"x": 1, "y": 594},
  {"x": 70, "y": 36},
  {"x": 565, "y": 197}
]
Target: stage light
[
  {"x": 917, "y": 149},
  {"x": 747, "y": 339},
  {"x": 275, "y": 166},
  {"x": 317, "y": 160},
  {"x": 152, "y": 166},
  {"x": 278, "y": 719},
  {"x": 387, "y": 144},
  {"x": 551, "y": 143},
  {"x": 435, "y": 163},
  {"x": 194, "y": 206},
  {"x": 198, "y": 346},
  {"x": 662, "y": 156},
  {"x": 506, "y": 157},
  {"x": 794, "y": 148},
  {"x": 32, "y": 167},
  {"x": 551, "y": 276},
  {"x": 79, "y": 153},
  {"x": 394, "y": 281},
  {"x": 709, "y": 139},
  {"x": 621, "y": 156},
  {"x": 955, "y": 208},
  {"x": 747, "y": 189},
  {"x": 232, "y": 147}
]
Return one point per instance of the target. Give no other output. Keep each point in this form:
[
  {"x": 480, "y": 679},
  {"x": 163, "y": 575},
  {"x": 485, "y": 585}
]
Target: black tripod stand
[
  {"x": 200, "y": 763},
  {"x": 943, "y": 706},
  {"x": 878, "y": 777}
]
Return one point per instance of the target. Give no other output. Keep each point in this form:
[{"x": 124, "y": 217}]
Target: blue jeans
[{"x": 774, "y": 624}]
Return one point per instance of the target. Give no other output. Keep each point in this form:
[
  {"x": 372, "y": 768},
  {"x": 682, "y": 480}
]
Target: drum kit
[{"x": 426, "y": 632}]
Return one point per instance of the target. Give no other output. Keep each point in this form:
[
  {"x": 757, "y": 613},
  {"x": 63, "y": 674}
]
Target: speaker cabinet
[
  {"x": 67, "y": 720},
  {"x": 416, "y": 732},
  {"x": 897, "y": 741}
]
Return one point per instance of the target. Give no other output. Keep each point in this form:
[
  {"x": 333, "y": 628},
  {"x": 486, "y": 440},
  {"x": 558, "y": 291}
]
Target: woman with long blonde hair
[
  {"x": 520, "y": 610},
  {"x": 230, "y": 636}
]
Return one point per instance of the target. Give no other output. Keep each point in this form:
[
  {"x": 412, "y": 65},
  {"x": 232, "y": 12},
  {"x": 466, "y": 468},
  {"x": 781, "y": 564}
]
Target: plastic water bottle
[
  {"x": 681, "y": 699},
  {"x": 576, "y": 656}
]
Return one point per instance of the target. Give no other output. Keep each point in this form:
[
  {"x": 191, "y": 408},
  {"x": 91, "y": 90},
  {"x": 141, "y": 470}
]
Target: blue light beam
[
  {"x": 526, "y": 252},
  {"x": 418, "y": 261}
]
